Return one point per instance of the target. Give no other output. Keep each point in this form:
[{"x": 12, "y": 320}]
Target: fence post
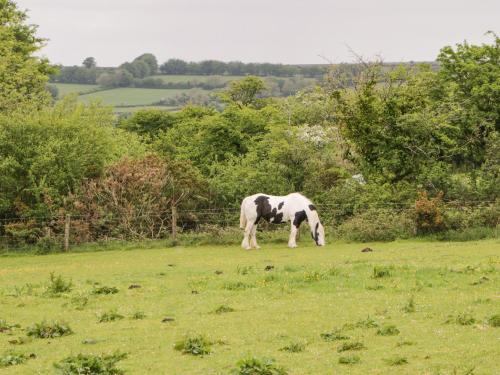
[
  {"x": 174, "y": 222},
  {"x": 66, "y": 232}
]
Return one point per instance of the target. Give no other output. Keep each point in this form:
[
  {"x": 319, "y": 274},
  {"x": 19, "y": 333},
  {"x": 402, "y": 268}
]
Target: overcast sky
[{"x": 286, "y": 31}]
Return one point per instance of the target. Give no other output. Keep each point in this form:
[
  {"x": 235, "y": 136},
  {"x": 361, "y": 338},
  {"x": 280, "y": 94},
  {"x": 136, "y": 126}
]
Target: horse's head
[{"x": 318, "y": 234}]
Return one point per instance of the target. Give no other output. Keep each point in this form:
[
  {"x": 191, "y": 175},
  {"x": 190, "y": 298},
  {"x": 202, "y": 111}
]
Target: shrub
[
  {"x": 109, "y": 316},
  {"x": 13, "y": 358},
  {"x": 223, "y": 309},
  {"x": 105, "y": 290},
  {"x": 388, "y": 330},
  {"x": 494, "y": 320},
  {"x": 256, "y": 366},
  {"x": 377, "y": 224},
  {"x": 196, "y": 345},
  {"x": 396, "y": 361},
  {"x": 349, "y": 360},
  {"x": 88, "y": 364},
  {"x": 58, "y": 285},
  {"x": 44, "y": 330},
  {"x": 428, "y": 213},
  {"x": 334, "y": 335},
  {"x": 352, "y": 345},
  {"x": 294, "y": 347}
]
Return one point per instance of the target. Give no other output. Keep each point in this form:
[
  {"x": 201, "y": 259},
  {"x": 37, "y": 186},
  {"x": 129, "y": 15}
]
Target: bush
[
  {"x": 196, "y": 345},
  {"x": 88, "y": 364},
  {"x": 428, "y": 213},
  {"x": 377, "y": 224},
  {"x": 256, "y": 366},
  {"x": 44, "y": 330}
]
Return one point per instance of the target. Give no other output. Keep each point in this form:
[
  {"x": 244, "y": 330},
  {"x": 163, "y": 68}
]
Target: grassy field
[
  {"x": 133, "y": 96},
  {"x": 197, "y": 78},
  {"x": 70, "y": 88},
  {"x": 412, "y": 307}
]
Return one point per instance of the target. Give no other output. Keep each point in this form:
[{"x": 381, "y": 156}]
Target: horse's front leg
[
  {"x": 253, "y": 238},
  {"x": 246, "y": 239},
  {"x": 292, "y": 242}
]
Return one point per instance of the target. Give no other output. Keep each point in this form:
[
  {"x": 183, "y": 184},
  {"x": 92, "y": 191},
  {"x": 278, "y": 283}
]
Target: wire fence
[{"x": 66, "y": 230}]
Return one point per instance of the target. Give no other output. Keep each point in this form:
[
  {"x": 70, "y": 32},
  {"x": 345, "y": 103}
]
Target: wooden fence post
[
  {"x": 66, "y": 232},
  {"x": 174, "y": 222}
]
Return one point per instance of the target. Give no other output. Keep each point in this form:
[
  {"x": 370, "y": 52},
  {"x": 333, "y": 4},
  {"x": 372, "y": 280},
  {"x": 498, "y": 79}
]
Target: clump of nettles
[
  {"x": 197, "y": 345},
  {"x": 294, "y": 347},
  {"x": 91, "y": 364},
  {"x": 12, "y": 359},
  {"x": 256, "y": 366},
  {"x": 45, "y": 330},
  {"x": 334, "y": 335},
  {"x": 396, "y": 361},
  {"x": 58, "y": 285},
  {"x": 105, "y": 290},
  {"x": 388, "y": 330},
  {"x": 352, "y": 345},
  {"x": 349, "y": 360},
  {"x": 364, "y": 323},
  {"x": 223, "y": 309},
  {"x": 109, "y": 316},
  {"x": 382, "y": 271}
]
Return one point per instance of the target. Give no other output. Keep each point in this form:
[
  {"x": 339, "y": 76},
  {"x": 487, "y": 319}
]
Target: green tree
[
  {"x": 23, "y": 76},
  {"x": 149, "y": 122},
  {"x": 244, "y": 92}
]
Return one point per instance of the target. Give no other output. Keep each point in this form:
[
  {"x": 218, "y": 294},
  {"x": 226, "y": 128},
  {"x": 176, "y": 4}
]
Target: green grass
[
  {"x": 302, "y": 300},
  {"x": 127, "y": 96},
  {"x": 73, "y": 88}
]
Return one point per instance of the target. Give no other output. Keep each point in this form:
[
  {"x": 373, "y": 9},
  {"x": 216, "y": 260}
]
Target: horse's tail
[{"x": 243, "y": 218}]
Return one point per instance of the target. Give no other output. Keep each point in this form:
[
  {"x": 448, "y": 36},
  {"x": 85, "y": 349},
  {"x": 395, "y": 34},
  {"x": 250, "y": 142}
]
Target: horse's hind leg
[
  {"x": 253, "y": 238},
  {"x": 246, "y": 237}
]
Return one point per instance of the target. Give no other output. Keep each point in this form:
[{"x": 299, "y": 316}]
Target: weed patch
[
  {"x": 89, "y": 364},
  {"x": 79, "y": 301},
  {"x": 410, "y": 306},
  {"x": 138, "y": 315},
  {"x": 237, "y": 285},
  {"x": 352, "y": 345},
  {"x": 223, "y": 309},
  {"x": 45, "y": 330},
  {"x": 494, "y": 320},
  {"x": 404, "y": 343},
  {"x": 382, "y": 271},
  {"x": 197, "y": 345},
  {"x": 105, "y": 290},
  {"x": 109, "y": 316},
  {"x": 6, "y": 327},
  {"x": 388, "y": 330},
  {"x": 57, "y": 285},
  {"x": 13, "y": 359},
  {"x": 244, "y": 270},
  {"x": 256, "y": 366},
  {"x": 294, "y": 347},
  {"x": 334, "y": 335},
  {"x": 349, "y": 360},
  {"x": 396, "y": 361}
]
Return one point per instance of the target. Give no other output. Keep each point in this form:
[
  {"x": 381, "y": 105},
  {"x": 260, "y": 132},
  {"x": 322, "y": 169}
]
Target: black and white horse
[{"x": 293, "y": 207}]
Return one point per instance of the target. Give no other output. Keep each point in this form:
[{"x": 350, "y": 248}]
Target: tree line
[{"x": 364, "y": 147}]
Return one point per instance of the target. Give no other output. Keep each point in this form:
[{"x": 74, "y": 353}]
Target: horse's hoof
[
  {"x": 292, "y": 246},
  {"x": 257, "y": 247}
]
